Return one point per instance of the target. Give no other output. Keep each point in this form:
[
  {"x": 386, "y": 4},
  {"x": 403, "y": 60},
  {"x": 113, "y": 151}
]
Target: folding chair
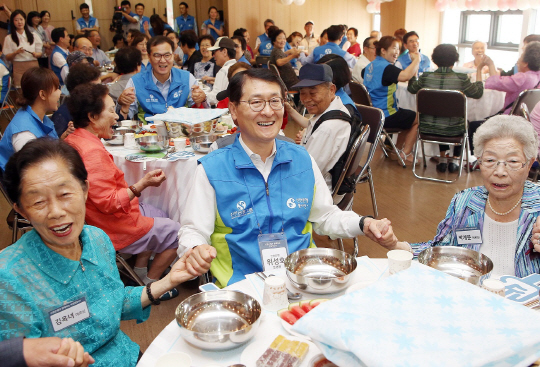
[
  {"x": 126, "y": 270},
  {"x": 261, "y": 60},
  {"x": 529, "y": 97},
  {"x": 14, "y": 220},
  {"x": 6, "y": 105},
  {"x": 360, "y": 95},
  {"x": 350, "y": 171},
  {"x": 441, "y": 103},
  {"x": 525, "y": 111}
]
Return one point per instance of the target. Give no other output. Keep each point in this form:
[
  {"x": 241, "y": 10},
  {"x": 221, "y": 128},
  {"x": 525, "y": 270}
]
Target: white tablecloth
[
  {"x": 169, "y": 340},
  {"x": 172, "y": 194},
  {"x": 492, "y": 101}
]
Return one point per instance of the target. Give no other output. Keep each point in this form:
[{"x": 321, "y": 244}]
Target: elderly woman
[
  {"x": 113, "y": 205},
  {"x": 505, "y": 208},
  {"x": 478, "y": 50},
  {"x": 204, "y": 69},
  {"x": 61, "y": 279},
  {"x": 282, "y": 59},
  {"x": 341, "y": 76},
  {"x": 40, "y": 95}
]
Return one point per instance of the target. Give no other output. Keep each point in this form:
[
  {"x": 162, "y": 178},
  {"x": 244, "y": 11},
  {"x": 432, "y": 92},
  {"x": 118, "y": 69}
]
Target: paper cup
[
  {"x": 494, "y": 286},
  {"x": 175, "y": 359},
  {"x": 398, "y": 260},
  {"x": 179, "y": 144},
  {"x": 129, "y": 141},
  {"x": 275, "y": 294}
]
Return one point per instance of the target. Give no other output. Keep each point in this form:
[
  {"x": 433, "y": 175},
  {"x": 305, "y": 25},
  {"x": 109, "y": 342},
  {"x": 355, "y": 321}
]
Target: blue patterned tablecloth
[{"x": 423, "y": 317}]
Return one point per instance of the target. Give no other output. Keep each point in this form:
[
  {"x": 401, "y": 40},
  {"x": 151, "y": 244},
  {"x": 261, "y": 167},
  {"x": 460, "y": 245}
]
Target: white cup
[
  {"x": 275, "y": 294},
  {"x": 494, "y": 286},
  {"x": 179, "y": 144},
  {"x": 129, "y": 141},
  {"x": 174, "y": 359},
  {"x": 398, "y": 260}
]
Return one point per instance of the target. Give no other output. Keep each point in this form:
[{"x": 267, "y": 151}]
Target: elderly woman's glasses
[
  {"x": 512, "y": 165},
  {"x": 258, "y": 105}
]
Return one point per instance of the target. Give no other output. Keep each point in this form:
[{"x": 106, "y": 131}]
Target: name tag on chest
[
  {"x": 469, "y": 236},
  {"x": 69, "y": 314},
  {"x": 274, "y": 251}
]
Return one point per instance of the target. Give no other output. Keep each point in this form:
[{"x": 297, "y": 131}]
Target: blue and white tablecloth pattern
[
  {"x": 189, "y": 115},
  {"x": 424, "y": 317}
]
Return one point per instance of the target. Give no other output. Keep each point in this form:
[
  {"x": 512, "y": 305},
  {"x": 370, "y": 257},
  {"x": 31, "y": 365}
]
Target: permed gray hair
[{"x": 504, "y": 126}]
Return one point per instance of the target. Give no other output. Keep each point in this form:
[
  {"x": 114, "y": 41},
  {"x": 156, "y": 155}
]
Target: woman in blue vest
[
  {"x": 40, "y": 95},
  {"x": 212, "y": 26},
  {"x": 157, "y": 26},
  {"x": 381, "y": 78},
  {"x": 139, "y": 41}
]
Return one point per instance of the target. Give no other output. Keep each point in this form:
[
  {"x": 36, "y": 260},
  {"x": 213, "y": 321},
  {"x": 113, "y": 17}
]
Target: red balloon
[{"x": 502, "y": 5}]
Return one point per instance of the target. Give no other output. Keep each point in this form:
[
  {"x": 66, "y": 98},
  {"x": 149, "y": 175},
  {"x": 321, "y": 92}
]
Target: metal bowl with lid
[
  {"x": 463, "y": 263},
  {"x": 218, "y": 320},
  {"x": 202, "y": 143},
  {"x": 320, "y": 270}
]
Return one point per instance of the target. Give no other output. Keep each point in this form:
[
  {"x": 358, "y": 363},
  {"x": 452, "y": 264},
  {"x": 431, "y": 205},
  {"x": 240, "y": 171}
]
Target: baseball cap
[
  {"x": 76, "y": 57},
  {"x": 314, "y": 74},
  {"x": 223, "y": 42},
  {"x": 309, "y": 21}
]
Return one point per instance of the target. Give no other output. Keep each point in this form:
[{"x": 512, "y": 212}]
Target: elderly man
[
  {"x": 376, "y": 35},
  {"x": 335, "y": 35},
  {"x": 87, "y": 22},
  {"x": 264, "y": 37},
  {"x": 97, "y": 53},
  {"x": 184, "y": 21},
  {"x": 260, "y": 192},
  {"x": 412, "y": 44},
  {"x": 367, "y": 56},
  {"x": 60, "y": 52},
  {"x": 224, "y": 53},
  {"x": 310, "y": 40},
  {"x": 161, "y": 86}
]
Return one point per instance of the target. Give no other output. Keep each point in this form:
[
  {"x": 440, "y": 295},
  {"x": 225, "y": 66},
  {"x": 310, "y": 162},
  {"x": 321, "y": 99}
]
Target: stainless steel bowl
[
  {"x": 123, "y": 130},
  {"x": 320, "y": 270},
  {"x": 200, "y": 128},
  {"x": 460, "y": 262},
  {"x": 117, "y": 139},
  {"x": 218, "y": 320},
  {"x": 202, "y": 143},
  {"x": 153, "y": 143}
]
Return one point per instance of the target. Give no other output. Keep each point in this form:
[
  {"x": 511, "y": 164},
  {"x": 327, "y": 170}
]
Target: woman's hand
[
  {"x": 299, "y": 136},
  {"x": 75, "y": 351},
  {"x": 68, "y": 131},
  {"x": 293, "y": 51},
  {"x": 153, "y": 178},
  {"x": 380, "y": 231}
]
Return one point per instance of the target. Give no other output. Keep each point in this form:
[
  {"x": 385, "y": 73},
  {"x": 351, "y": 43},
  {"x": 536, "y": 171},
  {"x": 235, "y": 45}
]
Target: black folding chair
[
  {"x": 14, "y": 220},
  {"x": 529, "y": 97}
]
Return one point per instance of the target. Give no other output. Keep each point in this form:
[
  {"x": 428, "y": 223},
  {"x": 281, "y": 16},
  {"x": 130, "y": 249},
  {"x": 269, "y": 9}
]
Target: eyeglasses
[
  {"x": 166, "y": 56},
  {"x": 257, "y": 105},
  {"x": 512, "y": 165}
]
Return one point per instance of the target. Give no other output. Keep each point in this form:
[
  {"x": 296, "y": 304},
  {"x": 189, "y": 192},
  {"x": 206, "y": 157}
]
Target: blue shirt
[
  {"x": 405, "y": 60},
  {"x": 143, "y": 20},
  {"x": 35, "y": 280},
  {"x": 185, "y": 23},
  {"x": 125, "y": 21},
  {"x": 218, "y": 24},
  {"x": 343, "y": 41},
  {"x": 166, "y": 26},
  {"x": 82, "y": 23},
  {"x": 243, "y": 59}
]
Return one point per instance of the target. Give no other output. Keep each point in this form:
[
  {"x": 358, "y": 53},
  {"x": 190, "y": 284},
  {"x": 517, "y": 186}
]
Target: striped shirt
[{"x": 444, "y": 78}]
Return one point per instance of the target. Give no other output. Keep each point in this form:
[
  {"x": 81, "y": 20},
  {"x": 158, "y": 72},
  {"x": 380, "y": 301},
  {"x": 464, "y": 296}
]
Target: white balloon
[
  {"x": 461, "y": 5},
  {"x": 299, "y": 2},
  {"x": 286, "y": 2},
  {"x": 523, "y": 4},
  {"x": 370, "y": 8},
  {"x": 484, "y": 4}
]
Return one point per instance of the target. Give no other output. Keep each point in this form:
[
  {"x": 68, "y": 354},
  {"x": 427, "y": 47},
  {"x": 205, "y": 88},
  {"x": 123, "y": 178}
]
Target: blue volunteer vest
[
  {"x": 383, "y": 97},
  {"x": 345, "y": 99},
  {"x": 264, "y": 37},
  {"x": 25, "y": 120},
  {"x": 243, "y": 59},
  {"x": 149, "y": 97},
  {"x": 91, "y": 22},
  {"x": 5, "y": 83},
  {"x": 405, "y": 61},
  {"x": 57, "y": 69},
  {"x": 184, "y": 24},
  {"x": 329, "y": 48},
  {"x": 265, "y": 48},
  {"x": 243, "y": 200},
  {"x": 144, "y": 19},
  {"x": 217, "y": 23}
]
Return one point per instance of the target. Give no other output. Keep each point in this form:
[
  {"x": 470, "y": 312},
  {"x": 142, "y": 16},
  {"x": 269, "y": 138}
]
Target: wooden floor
[{"x": 414, "y": 206}]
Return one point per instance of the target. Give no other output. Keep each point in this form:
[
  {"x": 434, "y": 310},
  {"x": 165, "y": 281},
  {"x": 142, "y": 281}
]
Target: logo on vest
[
  {"x": 368, "y": 76},
  {"x": 151, "y": 99},
  {"x": 300, "y": 203},
  {"x": 177, "y": 94},
  {"x": 290, "y": 203},
  {"x": 242, "y": 211},
  {"x": 268, "y": 46},
  {"x": 328, "y": 51}
]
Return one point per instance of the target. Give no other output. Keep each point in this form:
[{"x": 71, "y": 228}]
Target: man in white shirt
[
  {"x": 364, "y": 60},
  {"x": 97, "y": 53},
  {"x": 224, "y": 52},
  {"x": 310, "y": 40},
  {"x": 60, "y": 36},
  {"x": 261, "y": 186}
]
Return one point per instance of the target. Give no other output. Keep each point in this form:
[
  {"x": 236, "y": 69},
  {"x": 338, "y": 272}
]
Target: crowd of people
[{"x": 61, "y": 178}]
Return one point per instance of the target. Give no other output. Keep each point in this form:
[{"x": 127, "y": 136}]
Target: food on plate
[
  {"x": 298, "y": 309},
  {"x": 283, "y": 353},
  {"x": 145, "y": 133},
  {"x": 321, "y": 361},
  {"x": 233, "y": 130},
  {"x": 221, "y": 127}
]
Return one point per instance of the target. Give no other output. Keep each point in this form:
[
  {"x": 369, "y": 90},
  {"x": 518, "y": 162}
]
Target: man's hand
[
  {"x": 199, "y": 259},
  {"x": 414, "y": 55},
  {"x": 55, "y": 352},
  {"x": 127, "y": 97},
  {"x": 153, "y": 178},
  {"x": 197, "y": 94},
  {"x": 380, "y": 231}
]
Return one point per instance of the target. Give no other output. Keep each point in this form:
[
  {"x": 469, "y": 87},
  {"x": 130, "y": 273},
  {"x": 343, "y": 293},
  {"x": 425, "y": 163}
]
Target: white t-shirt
[
  {"x": 499, "y": 244},
  {"x": 10, "y": 46}
]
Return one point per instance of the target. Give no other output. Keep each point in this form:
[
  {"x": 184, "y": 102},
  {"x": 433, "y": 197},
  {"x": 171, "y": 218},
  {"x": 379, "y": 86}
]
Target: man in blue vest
[
  {"x": 128, "y": 17},
  {"x": 86, "y": 23},
  {"x": 60, "y": 52},
  {"x": 260, "y": 193},
  {"x": 334, "y": 34},
  {"x": 264, "y": 37},
  {"x": 141, "y": 18},
  {"x": 185, "y": 21},
  {"x": 412, "y": 44},
  {"x": 160, "y": 87}
]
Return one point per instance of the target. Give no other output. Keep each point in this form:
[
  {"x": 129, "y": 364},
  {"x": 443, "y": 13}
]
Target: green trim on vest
[
  {"x": 390, "y": 100},
  {"x": 221, "y": 266}
]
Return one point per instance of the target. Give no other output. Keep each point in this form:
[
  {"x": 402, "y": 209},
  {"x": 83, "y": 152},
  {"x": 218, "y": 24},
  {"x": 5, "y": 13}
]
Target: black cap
[{"x": 314, "y": 74}]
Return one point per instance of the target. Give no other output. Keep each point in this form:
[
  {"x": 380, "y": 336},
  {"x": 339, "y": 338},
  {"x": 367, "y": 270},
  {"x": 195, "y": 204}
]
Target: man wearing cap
[
  {"x": 309, "y": 41},
  {"x": 256, "y": 200},
  {"x": 329, "y": 141},
  {"x": 224, "y": 52},
  {"x": 334, "y": 34},
  {"x": 75, "y": 57}
]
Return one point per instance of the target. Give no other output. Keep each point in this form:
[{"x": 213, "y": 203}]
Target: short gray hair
[{"x": 504, "y": 126}]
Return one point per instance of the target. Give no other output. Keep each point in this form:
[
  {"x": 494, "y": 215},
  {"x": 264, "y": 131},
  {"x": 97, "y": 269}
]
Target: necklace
[
  {"x": 505, "y": 213},
  {"x": 80, "y": 259}
]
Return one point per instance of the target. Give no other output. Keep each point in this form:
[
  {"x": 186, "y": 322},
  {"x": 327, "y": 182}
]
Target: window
[
  {"x": 496, "y": 28},
  {"x": 376, "y": 22}
]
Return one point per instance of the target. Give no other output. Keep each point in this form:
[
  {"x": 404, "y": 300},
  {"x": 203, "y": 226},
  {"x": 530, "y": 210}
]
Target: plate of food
[
  {"x": 290, "y": 315},
  {"x": 279, "y": 351}
]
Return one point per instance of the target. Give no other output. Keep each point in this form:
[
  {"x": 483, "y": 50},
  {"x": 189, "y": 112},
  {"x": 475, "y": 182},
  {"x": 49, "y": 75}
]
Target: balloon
[
  {"x": 377, "y": 7},
  {"x": 453, "y": 4},
  {"x": 512, "y": 4},
  {"x": 493, "y": 5},
  {"x": 370, "y": 8},
  {"x": 476, "y": 4},
  {"x": 484, "y": 5},
  {"x": 523, "y": 4},
  {"x": 502, "y": 5},
  {"x": 461, "y": 4},
  {"x": 535, "y": 4},
  {"x": 469, "y": 5},
  {"x": 439, "y": 6},
  {"x": 286, "y": 2},
  {"x": 299, "y": 2}
]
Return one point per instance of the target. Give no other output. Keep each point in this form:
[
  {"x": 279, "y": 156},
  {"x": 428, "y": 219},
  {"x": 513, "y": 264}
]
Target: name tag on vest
[
  {"x": 274, "y": 251},
  {"x": 469, "y": 236},
  {"x": 69, "y": 314}
]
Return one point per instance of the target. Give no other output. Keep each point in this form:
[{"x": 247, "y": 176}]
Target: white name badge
[
  {"x": 274, "y": 251},
  {"x": 469, "y": 236},
  {"x": 69, "y": 314}
]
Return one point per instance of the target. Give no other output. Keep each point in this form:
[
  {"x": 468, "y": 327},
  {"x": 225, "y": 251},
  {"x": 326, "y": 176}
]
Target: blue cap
[{"x": 314, "y": 74}]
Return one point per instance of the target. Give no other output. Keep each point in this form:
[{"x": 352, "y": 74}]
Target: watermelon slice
[
  {"x": 296, "y": 309},
  {"x": 287, "y": 316},
  {"x": 315, "y": 302},
  {"x": 304, "y": 305}
]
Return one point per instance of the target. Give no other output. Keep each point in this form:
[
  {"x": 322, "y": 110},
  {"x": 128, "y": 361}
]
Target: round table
[
  {"x": 169, "y": 340},
  {"x": 172, "y": 194}
]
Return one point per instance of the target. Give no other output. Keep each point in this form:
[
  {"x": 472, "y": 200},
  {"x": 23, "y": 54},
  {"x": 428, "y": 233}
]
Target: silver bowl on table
[
  {"x": 153, "y": 143},
  {"x": 218, "y": 320},
  {"x": 463, "y": 263},
  {"x": 202, "y": 143},
  {"x": 117, "y": 139},
  {"x": 320, "y": 270}
]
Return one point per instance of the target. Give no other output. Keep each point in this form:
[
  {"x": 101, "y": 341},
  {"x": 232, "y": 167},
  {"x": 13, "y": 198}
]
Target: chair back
[
  {"x": 442, "y": 103},
  {"x": 530, "y": 97},
  {"x": 374, "y": 118},
  {"x": 359, "y": 94},
  {"x": 353, "y": 160},
  {"x": 525, "y": 111},
  {"x": 3, "y": 188},
  {"x": 273, "y": 68},
  {"x": 262, "y": 60}
]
